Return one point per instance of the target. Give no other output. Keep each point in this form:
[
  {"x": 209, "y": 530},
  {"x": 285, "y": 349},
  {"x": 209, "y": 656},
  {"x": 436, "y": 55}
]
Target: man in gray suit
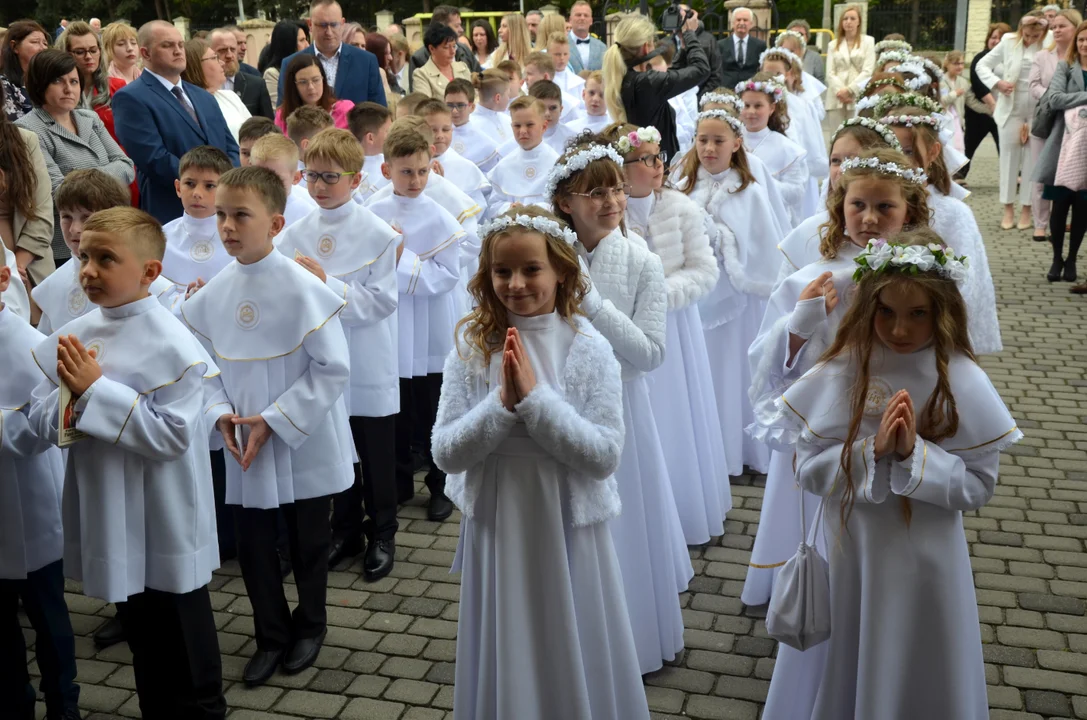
[
  {"x": 586, "y": 52},
  {"x": 740, "y": 51}
]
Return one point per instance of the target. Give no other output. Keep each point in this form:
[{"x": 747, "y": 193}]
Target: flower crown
[
  {"x": 634, "y": 140},
  {"x": 885, "y": 132},
  {"x": 781, "y": 52},
  {"x": 799, "y": 37},
  {"x": 725, "y": 115},
  {"x": 920, "y": 78},
  {"x": 543, "y": 225},
  {"x": 774, "y": 89},
  {"x": 911, "y": 120},
  {"x": 910, "y": 99},
  {"x": 882, "y": 82},
  {"x": 578, "y": 162},
  {"x": 889, "y": 45},
  {"x": 898, "y": 56},
  {"x": 885, "y": 168},
  {"x": 713, "y": 97},
  {"x": 881, "y": 256},
  {"x": 933, "y": 69}
]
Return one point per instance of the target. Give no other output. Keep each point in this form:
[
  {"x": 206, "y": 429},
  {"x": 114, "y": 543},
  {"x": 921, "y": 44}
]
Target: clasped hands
[
  {"x": 897, "y": 429},
  {"x": 518, "y": 377},
  {"x": 258, "y": 435},
  {"x": 76, "y": 365}
]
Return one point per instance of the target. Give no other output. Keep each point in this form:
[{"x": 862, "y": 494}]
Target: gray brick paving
[{"x": 391, "y": 645}]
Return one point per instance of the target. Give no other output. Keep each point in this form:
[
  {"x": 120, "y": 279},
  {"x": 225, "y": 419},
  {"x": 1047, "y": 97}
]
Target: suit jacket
[
  {"x": 422, "y": 56},
  {"x": 357, "y": 77},
  {"x": 596, "y": 55},
  {"x": 248, "y": 69},
  {"x": 1004, "y": 63},
  {"x": 156, "y": 131},
  {"x": 250, "y": 88},
  {"x": 429, "y": 80},
  {"x": 732, "y": 72}
]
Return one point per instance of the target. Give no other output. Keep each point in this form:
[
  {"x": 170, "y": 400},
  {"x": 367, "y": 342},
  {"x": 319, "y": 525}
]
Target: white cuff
[
  {"x": 807, "y": 317},
  {"x": 907, "y": 474}
]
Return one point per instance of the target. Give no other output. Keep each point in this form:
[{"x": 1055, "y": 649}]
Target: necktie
[
  {"x": 185, "y": 104},
  {"x": 743, "y": 42}
]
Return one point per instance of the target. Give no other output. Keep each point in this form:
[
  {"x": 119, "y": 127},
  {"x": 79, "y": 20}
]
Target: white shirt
[
  {"x": 330, "y": 64},
  {"x": 228, "y": 84},
  {"x": 582, "y": 48},
  {"x": 170, "y": 86}
]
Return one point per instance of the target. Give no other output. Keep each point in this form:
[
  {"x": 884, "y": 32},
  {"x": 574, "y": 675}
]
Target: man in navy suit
[
  {"x": 158, "y": 118},
  {"x": 586, "y": 52},
  {"x": 740, "y": 51},
  {"x": 352, "y": 72}
]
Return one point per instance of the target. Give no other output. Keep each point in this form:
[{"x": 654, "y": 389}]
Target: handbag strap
[{"x": 804, "y": 518}]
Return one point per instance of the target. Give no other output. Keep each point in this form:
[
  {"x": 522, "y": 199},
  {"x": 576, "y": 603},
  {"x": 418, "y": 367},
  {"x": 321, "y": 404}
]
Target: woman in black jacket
[
  {"x": 640, "y": 96},
  {"x": 980, "y": 102}
]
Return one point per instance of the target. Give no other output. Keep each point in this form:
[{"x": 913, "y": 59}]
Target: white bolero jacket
[
  {"x": 582, "y": 429},
  {"x": 680, "y": 237}
]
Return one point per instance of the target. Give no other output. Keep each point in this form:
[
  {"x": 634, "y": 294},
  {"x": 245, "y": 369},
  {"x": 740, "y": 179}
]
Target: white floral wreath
[
  {"x": 881, "y": 256},
  {"x": 891, "y": 45},
  {"x": 885, "y": 168},
  {"x": 898, "y": 56},
  {"x": 578, "y": 162},
  {"x": 543, "y": 225},
  {"x": 782, "y": 52},
  {"x": 866, "y": 102},
  {"x": 774, "y": 89},
  {"x": 920, "y": 78},
  {"x": 933, "y": 69},
  {"x": 633, "y": 140},
  {"x": 799, "y": 37},
  {"x": 875, "y": 125},
  {"x": 724, "y": 115},
  {"x": 713, "y": 97},
  {"x": 910, "y": 99},
  {"x": 911, "y": 120}
]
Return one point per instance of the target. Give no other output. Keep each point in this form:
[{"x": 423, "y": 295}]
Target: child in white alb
[
  {"x": 470, "y": 138},
  {"x": 596, "y": 116},
  {"x": 557, "y": 133},
  {"x": 520, "y": 178},
  {"x": 280, "y": 155},
  {"x": 455, "y": 168},
  {"x": 370, "y": 122}
]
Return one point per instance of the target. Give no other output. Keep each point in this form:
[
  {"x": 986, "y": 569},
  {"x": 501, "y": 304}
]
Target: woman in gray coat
[
  {"x": 70, "y": 139},
  {"x": 1067, "y": 90}
]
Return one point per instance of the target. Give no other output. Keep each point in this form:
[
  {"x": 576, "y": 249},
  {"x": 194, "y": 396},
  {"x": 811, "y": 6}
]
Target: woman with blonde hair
[
  {"x": 851, "y": 60},
  {"x": 516, "y": 43},
  {"x": 122, "y": 51},
  {"x": 1014, "y": 111},
  {"x": 636, "y": 94},
  {"x": 551, "y": 23},
  {"x": 80, "y": 41}
]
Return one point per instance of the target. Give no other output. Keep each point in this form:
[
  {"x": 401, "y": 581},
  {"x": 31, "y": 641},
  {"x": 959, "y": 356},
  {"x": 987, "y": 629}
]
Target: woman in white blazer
[
  {"x": 851, "y": 60},
  {"x": 1006, "y": 71}
]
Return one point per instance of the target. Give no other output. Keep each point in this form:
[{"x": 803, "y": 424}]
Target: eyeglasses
[
  {"x": 457, "y": 106},
  {"x": 84, "y": 52},
  {"x": 211, "y": 57},
  {"x": 600, "y": 194},
  {"x": 315, "y": 82},
  {"x": 328, "y": 25},
  {"x": 328, "y": 178},
  {"x": 650, "y": 161}
]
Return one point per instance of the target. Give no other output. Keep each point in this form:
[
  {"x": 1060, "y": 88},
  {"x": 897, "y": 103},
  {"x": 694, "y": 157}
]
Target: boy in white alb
[
  {"x": 596, "y": 116},
  {"x": 470, "y": 139},
  {"x": 280, "y": 412},
  {"x": 60, "y": 296},
  {"x": 252, "y": 130},
  {"x": 370, "y": 123},
  {"x": 521, "y": 176},
  {"x": 539, "y": 66},
  {"x": 427, "y": 269},
  {"x": 303, "y": 124},
  {"x": 31, "y": 537},
  {"x": 493, "y": 87},
  {"x": 354, "y": 252},
  {"x": 280, "y": 155},
  {"x": 194, "y": 254},
  {"x": 558, "y": 49},
  {"x": 460, "y": 171},
  {"x": 557, "y": 133},
  {"x": 125, "y": 385}
]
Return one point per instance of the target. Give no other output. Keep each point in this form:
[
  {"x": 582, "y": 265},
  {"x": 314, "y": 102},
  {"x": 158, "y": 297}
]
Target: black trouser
[
  {"x": 375, "y": 483},
  {"x": 175, "y": 654},
  {"x": 1058, "y": 221},
  {"x": 42, "y": 593},
  {"x": 978, "y": 125},
  {"x": 310, "y": 535},
  {"x": 418, "y": 407},
  {"x": 224, "y": 519}
]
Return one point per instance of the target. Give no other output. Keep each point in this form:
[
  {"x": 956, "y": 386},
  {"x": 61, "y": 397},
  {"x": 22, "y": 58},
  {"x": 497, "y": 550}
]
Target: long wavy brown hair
[
  {"x": 917, "y": 211},
  {"x": 17, "y": 179},
  {"x": 484, "y": 328},
  {"x": 939, "y": 418},
  {"x": 688, "y": 174},
  {"x": 926, "y": 137}
]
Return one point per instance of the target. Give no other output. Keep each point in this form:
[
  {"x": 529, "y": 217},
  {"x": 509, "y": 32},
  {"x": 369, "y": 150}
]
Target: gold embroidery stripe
[
  {"x": 148, "y": 392},
  {"x": 470, "y": 212},
  {"x": 209, "y": 407},
  {"x": 787, "y": 258},
  {"x": 805, "y": 421},
  {"x": 416, "y": 275},
  {"x": 284, "y": 414},
  {"x": 260, "y": 359},
  {"x": 990, "y": 442},
  {"x": 767, "y": 567},
  {"x": 924, "y": 461},
  {"x": 455, "y": 237},
  {"x": 127, "y": 418},
  {"x": 365, "y": 265},
  {"x": 47, "y": 375}
]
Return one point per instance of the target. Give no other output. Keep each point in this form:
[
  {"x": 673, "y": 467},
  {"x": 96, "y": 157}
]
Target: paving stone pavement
[{"x": 391, "y": 644}]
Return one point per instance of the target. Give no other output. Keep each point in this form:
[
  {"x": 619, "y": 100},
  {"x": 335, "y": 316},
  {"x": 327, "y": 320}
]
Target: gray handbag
[{"x": 1044, "y": 115}]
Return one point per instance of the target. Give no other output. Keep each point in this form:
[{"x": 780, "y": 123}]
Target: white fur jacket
[
  {"x": 679, "y": 237},
  {"x": 628, "y": 301},
  {"x": 583, "y": 429}
]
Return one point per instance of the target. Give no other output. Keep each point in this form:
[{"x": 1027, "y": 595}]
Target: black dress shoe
[
  {"x": 1070, "y": 270},
  {"x": 379, "y": 560},
  {"x": 262, "y": 666},
  {"x": 109, "y": 634},
  {"x": 1054, "y": 273},
  {"x": 1040, "y": 238},
  {"x": 284, "y": 564},
  {"x": 303, "y": 654},
  {"x": 440, "y": 507},
  {"x": 342, "y": 549}
]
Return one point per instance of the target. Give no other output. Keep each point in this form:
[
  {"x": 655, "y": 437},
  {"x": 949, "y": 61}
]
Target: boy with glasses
[{"x": 470, "y": 139}]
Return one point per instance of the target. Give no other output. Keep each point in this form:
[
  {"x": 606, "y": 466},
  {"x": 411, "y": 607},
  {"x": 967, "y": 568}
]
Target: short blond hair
[
  {"x": 405, "y": 140},
  {"x": 307, "y": 121},
  {"x": 262, "y": 181},
  {"x": 558, "y": 38},
  {"x": 273, "y": 147},
  {"x": 141, "y": 231},
  {"x": 528, "y": 102},
  {"x": 113, "y": 33},
  {"x": 542, "y": 61},
  {"x": 333, "y": 145},
  {"x": 417, "y": 123}
]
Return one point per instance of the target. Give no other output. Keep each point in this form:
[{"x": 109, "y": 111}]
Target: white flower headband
[
  {"x": 910, "y": 99},
  {"x": 877, "y": 126},
  {"x": 578, "y": 162},
  {"x": 920, "y": 78},
  {"x": 633, "y": 140},
  {"x": 881, "y": 256},
  {"x": 543, "y": 225},
  {"x": 911, "y": 120},
  {"x": 868, "y": 101},
  {"x": 888, "y": 168},
  {"x": 724, "y": 115},
  {"x": 790, "y": 34},
  {"x": 933, "y": 69},
  {"x": 888, "y": 45},
  {"x": 774, "y": 89},
  {"x": 898, "y": 56},
  {"x": 712, "y": 97},
  {"x": 781, "y": 52}
]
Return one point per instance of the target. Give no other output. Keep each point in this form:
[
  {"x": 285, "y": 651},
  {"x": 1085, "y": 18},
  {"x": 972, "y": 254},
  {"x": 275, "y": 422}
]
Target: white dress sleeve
[
  {"x": 464, "y": 435},
  {"x": 18, "y": 437},
  {"x": 638, "y": 340},
  {"x": 938, "y": 477},
  {"x": 370, "y": 298},
  {"x": 819, "y": 468}
]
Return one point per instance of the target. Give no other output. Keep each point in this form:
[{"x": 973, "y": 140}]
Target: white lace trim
[{"x": 542, "y": 225}]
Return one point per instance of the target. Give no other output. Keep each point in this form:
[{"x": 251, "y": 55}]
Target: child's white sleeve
[
  {"x": 936, "y": 476},
  {"x": 638, "y": 340},
  {"x": 216, "y": 404},
  {"x": 370, "y": 297},
  {"x": 45, "y": 409},
  {"x": 819, "y": 467},
  {"x": 300, "y": 410},
  {"x": 464, "y": 435},
  {"x": 435, "y": 272},
  {"x": 45, "y": 325},
  {"x": 17, "y": 436}
]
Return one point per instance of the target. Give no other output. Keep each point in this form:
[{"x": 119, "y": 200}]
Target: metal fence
[
  {"x": 1009, "y": 11},
  {"x": 927, "y": 25}
]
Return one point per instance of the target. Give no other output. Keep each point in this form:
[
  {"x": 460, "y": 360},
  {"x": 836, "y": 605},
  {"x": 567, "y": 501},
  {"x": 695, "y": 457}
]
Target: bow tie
[{"x": 581, "y": 42}]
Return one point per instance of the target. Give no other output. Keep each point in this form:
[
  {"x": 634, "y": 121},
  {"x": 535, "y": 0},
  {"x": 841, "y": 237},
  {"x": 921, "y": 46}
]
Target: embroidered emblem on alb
[
  {"x": 77, "y": 302},
  {"x": 201, "y": 251},
  {"x": 459, "y": 147},
  {"x": 247, "y": 315},
  {"x": 326, "y": 245},
  {"x": 879, "y": 394},
  {"x": 98, "y": 346},
  {"x": 530, "y": 172}
]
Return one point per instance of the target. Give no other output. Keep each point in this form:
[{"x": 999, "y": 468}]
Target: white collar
[
  {"x": 333, "y": 56},
  {"x": 165, "y": 83},
  {"x": 199, "y": 227},
  {"x": 137, "y": 307}
]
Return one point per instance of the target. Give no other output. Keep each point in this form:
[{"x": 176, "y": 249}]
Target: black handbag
[{"x": 1044, "y": 115}]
